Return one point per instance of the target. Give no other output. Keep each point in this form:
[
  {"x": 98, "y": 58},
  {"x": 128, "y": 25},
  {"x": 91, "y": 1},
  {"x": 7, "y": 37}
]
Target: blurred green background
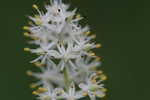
[{"x": 122, "y": 26}]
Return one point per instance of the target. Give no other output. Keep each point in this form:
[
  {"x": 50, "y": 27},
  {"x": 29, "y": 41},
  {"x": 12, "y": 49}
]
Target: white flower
[
  {"x": 49, "y": 94},
  {"x": 93, "y": 88},
  {"x": 48, "y": 75},
  {"x": 84, "y": 66},
  {"x": 44, "y": 52},
  {"x": 87, "y": 64},
  {"x": 53, "y": 23},
  {"x": 72, "y": 94}
]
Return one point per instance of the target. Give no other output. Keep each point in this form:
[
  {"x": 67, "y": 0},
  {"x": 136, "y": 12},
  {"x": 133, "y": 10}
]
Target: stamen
[
  {"x": 26, "y": 49},
  {"x": 103, "y": 89},
  {"x": 26, "y": 28},
  {"x": 38, "y": 64},
  {"x": 99, "y": 72},
  {"x": 92, "y": 54},
  {"x": 101, "y": 95},
  {"x": 93, "y": 36},
  {"x": 78, "y": 16},
  {"x": 103, "y": 77},
  {"x": 93, "y": 81},
  {"x": 35, "y": 6},
  {"x": 26, "y": 34},
  {"x": 35, "y": 93},
  {"x": 41, "y": 90},
  {"x": 29, "y": 73},
  {"x": 87, "y": 33},
  {"x": 33, "y": 85},
  {"x": 94, "y": 68},
  {"x": 98, "y": 45},
  {"x": 98, "y": 58},
  {"x": 30, "y": 22}
]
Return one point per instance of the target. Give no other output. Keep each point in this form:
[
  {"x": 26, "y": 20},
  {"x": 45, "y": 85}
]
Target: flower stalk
[
  {"x": 69, "y": 69},
  {"x": 66, "y": 78}
]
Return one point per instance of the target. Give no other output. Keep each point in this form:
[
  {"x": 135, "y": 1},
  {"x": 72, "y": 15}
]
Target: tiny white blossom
[
  {"x": 49, "y": 74},
  {"x": 72, "y": 94},
  {"x": 92, "y": 87},
  {"x": 50, "y": 94}
]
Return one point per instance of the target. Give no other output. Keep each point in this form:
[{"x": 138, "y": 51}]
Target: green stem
[{"x": 66, "y": 78}]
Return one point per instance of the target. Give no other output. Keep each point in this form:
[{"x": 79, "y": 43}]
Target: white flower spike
[{"x": 69, "y": 69}]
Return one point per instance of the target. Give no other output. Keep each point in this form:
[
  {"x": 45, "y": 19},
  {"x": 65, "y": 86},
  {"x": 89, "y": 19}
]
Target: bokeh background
[{"x": 121, "y": 26}]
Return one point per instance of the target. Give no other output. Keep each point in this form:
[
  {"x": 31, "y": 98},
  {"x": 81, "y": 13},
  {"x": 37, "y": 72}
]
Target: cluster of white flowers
[{"x": 68, "y": 68}]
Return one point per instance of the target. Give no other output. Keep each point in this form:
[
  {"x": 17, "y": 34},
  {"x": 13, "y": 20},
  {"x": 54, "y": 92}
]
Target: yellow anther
[
  {"x": 98, "y": 45},
  {"x": 84, "y": 93},
  {"x": 93, "y": 36},
  {"x": 36, "y": 16},
  {"x": 103, "y": 77},
  {"x": 38, "y": 64},
  {"x": 25, "y": 28},
  {"x": 93, "y": 81},
  {"x": 101, "y": 95},
  {"x": 26, "y": 49},
  {"x": 38, "y": 22},
  {"x": 29, "y": 73},
  {"x": 78, "y": 16},
  {"x": 103, "y": 89},
  {"x": 99, "y": 72},
  {"x": 35, "y": 6},
  {"x": 26, "y": 34},
  {"x": 34, "y": 38},
  {"x": 40, "y": 90},
  {"x": 87, "y": 33},
  {"x": 93, "y": 77},
  {"x": 33, "y": 85},
  {"x": 30, "y": 23},
  {"x": 35, "y": 93},
  {"x": 98, "y": 58},
  {"x": 92, "y": 54}
]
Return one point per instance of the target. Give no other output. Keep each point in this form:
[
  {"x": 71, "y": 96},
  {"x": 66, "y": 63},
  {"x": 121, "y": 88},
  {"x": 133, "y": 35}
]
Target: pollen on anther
[
  {"x": 26, "y": 34},
  {"x": 40, "y": 90},
  {"x": 78, "y": 16},
  {"x": 93, "y": 81},
  {"x": 26, "y": 49},
  {"x": 99, "y": 72},
  {"x": 35, "y": 93},
  {"x": 38, "y": 64},
  {"x": 103, "y": 89},
  {"x": 101, "y": 95},
  {"x": 25, "y": 28},
  {"x": 92, "y": 54},
  {"x": 87, "y": 33},
  {"x": 98, "y": 58},
  {"x": 29, "y": 73},
  {"x": 35, "y": 6},
  {"x": 98, "y": 45},
  {"x": 93, "y": 36},
  {"x": 33, "y": 85},
  {"x": 103, "y": 77}
]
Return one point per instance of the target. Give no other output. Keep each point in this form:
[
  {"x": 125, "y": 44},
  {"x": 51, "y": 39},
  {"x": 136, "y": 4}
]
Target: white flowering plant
[{"x": 69, "y": 69}]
